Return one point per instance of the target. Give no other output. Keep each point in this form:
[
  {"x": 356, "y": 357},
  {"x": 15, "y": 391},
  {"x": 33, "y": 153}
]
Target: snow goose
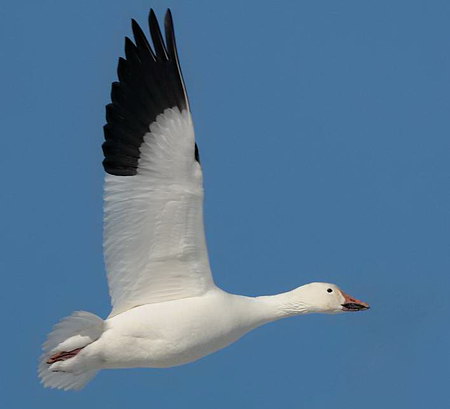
[{"x": 166, "y": 309}]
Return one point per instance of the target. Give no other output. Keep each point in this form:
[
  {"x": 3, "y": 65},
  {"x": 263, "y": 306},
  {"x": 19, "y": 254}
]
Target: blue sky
[{"x": 323, "y": 130}]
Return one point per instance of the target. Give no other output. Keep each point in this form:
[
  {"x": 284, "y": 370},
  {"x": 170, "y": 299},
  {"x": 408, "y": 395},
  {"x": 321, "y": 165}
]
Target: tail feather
[
  {"x": 64, "y": 380},
  {"x": 71, "y": 333}
]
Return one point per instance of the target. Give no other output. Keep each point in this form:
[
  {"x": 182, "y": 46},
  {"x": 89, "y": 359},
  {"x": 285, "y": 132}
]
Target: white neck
[{"x": 274, "y": 307}]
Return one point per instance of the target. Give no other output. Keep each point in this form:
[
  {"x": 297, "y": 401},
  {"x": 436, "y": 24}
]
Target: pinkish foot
[{"x": 62, "y": 356}]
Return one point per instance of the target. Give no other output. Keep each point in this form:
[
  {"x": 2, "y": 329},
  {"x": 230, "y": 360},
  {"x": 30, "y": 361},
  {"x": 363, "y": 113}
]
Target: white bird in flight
[{"x": 166, "y": 309}]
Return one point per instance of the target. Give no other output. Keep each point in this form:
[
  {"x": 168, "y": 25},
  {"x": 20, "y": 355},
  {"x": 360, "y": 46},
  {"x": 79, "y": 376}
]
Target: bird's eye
[{"x": 329, "y": 290}]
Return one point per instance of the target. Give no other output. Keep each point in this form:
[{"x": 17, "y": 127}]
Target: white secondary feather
[{"x": 154, "y": 240}]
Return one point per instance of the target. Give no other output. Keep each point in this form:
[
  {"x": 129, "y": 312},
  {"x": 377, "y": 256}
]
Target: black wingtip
[
  {"x": 168, "y": 25},
  {"x": 197, "y": 154},
  {"x": 150, "y": 81},
  {"x": 135, "y": 27},
  {"x": 155, "y": 33},
  {"x": 152, "y": 20},
  {"x": 128, "y": 45}
]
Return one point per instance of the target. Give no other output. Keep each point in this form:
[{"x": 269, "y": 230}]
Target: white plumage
[
  {"x": 166, "y": 309},
  {"x": 154, "y": 241}
]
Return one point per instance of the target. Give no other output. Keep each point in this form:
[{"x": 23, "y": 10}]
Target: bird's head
[{"x": 328, "y": 298}]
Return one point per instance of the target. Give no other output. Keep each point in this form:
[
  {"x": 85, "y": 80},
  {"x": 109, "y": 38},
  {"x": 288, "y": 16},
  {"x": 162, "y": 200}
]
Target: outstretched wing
[{"x": 154, "y": 241}]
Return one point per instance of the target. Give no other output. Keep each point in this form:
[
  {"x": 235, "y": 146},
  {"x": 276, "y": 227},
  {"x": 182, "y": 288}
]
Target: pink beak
[{"x": 352, "y": 304}]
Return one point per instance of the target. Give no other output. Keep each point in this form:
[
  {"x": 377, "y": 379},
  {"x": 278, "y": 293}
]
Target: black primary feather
[{"x": 150, "y": 81}]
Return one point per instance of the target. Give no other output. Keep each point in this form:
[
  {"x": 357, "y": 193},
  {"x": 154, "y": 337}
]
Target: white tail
[{"x": 73, "y": 332}]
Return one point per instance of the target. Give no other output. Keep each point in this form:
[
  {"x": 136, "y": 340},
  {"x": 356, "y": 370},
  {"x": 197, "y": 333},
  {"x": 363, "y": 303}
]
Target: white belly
[{"x": 173, "y": 333}]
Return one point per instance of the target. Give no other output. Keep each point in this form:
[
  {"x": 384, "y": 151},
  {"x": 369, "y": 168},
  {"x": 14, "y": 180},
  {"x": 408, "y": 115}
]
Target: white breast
[{"x": 175, "y": 332}]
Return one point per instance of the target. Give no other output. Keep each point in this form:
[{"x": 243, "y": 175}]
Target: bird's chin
[{"x": 353, "y": 306}]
